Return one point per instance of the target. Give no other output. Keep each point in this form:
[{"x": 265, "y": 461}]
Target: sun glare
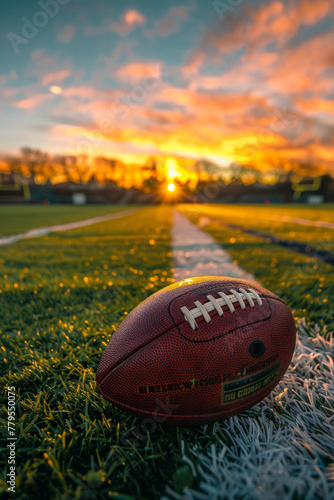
[
  {"x": 172, "y": 169},
  {"x": 171, "y": 187}
]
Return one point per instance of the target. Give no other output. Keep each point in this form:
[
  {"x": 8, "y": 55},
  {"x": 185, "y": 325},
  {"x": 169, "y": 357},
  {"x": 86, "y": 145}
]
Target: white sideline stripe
[
  {"x": 196, "y": 253},
  {"x": 42, "y": 231},
  {"x": 305, "y": 222}
]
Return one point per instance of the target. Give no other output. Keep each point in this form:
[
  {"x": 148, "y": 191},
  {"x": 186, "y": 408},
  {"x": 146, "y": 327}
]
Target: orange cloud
[
  {"x": 240, "y": 77},
  {"x": 138, "y": 71},
  {"x": 134, "y": 17},
  {"x": 195, "y": 61},
  {"x": 129, "y": 20},
  {"x": 301, "y": 68},
  {"x": 170, "y": 22},
  {"x": 32, "y": 102},
  {"x": 55, "y": 77},
  {"x": 67, "y": 34},
  {"x": 240, "y": 128},
  {"x": 316, "y": 105},
  {"x": 83, "y": 91},
  {"x": 229, "y": 128},
  {"x": 256, "y": 26}
]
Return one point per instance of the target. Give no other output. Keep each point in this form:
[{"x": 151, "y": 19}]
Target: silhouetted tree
[{"x": 36, "y": 164}]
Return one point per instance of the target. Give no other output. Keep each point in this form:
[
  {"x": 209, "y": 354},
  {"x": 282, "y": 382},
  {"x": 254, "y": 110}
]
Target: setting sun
[{"x": 171, "y": 187}]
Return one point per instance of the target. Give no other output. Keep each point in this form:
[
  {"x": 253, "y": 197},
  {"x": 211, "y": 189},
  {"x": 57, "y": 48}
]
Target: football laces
[{"x": 190, "y": 315}]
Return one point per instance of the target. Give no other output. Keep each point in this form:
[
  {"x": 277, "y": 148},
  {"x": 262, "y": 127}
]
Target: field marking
[
  {"x": 293, "y": 245},
  {"x": 42, "y": 231},
  {"x": 305, "y": 222},
  {"x": 196, "y": 253}
]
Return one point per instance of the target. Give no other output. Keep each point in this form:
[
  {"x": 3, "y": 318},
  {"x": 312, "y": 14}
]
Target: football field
[{"x": 63, "y": 294}]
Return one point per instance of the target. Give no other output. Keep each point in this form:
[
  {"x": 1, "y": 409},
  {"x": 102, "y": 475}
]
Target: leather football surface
[{"x": 197, "y": 351}]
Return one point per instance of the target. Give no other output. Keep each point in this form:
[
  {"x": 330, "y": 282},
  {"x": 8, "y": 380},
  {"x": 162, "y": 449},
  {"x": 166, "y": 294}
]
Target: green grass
[
  {"x": 316, "y": 212},
  {"x": 18, "y": 218},
  {"x": 260, "y": 217},
  {"x": 62, "y": 297}
]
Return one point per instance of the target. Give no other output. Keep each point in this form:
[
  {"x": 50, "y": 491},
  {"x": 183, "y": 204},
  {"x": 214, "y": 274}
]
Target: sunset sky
[{"x": 249, "y": 83}]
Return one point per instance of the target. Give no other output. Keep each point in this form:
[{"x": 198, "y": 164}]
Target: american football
[{"x": 197, "y": 351}]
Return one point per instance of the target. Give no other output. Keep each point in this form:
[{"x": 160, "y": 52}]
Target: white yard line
[
  {"x": 195, "y": 253},
  {"x": 42, "y": 231},
  {"x": 304, "y": 222}
]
